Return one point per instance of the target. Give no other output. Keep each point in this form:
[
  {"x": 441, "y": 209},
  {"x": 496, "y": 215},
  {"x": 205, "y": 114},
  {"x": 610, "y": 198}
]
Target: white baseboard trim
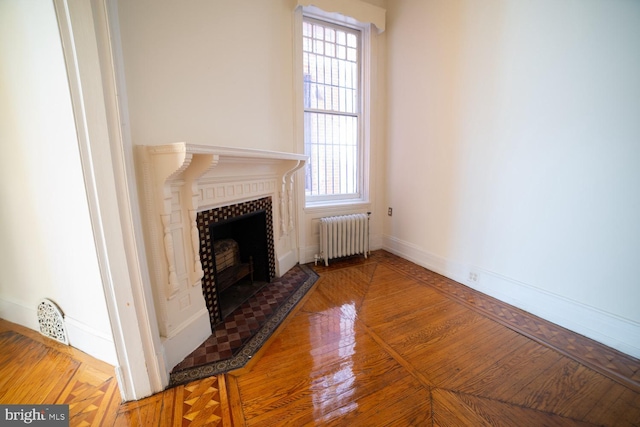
[
  {"x": 286, "y": 262},
  {"x": 185, "y": 339},
  {"x": 91, "y": 341},
  {"x": 163, "y": 369},
  {"x": 20, "y": 314},
  {"x": 308, "y": 254},
  {"x": 81, "y": 336},
  {"x": 606, "y": 328}
]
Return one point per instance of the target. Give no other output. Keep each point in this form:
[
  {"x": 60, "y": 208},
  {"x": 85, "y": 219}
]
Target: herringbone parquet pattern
[{"x": 201, "y": 403}]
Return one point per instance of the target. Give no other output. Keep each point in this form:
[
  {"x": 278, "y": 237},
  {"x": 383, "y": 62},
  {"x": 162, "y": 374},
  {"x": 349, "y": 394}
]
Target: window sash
[
  {"x": 331, "y": 141},
  {"x": 332, "y": 111}
]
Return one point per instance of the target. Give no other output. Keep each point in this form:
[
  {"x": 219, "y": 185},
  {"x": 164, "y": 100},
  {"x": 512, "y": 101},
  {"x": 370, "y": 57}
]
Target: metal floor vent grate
[{"x": 51, "y": 321}]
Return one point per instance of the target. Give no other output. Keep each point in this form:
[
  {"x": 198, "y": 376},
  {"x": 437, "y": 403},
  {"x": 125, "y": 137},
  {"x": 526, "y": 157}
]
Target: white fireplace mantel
[{"x": 178, "y": 181}]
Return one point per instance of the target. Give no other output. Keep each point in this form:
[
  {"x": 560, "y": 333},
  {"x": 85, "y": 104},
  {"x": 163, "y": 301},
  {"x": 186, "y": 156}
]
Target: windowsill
[{"x": 333, "y": 206}]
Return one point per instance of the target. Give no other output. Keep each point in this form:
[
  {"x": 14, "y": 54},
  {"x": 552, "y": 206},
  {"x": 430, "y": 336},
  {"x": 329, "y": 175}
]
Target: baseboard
[
  {"x": 606, "y": 328},
  {"x": 308, "y": 254},
  {"x": 163, "y": 369},
  {"x": 81, "y": 336},
  {"x": 91, "y": 341},
  {"x": 186, "y": 339},
  {"x": 20, "y": 314},
  {"x": 286, "y": 262}
]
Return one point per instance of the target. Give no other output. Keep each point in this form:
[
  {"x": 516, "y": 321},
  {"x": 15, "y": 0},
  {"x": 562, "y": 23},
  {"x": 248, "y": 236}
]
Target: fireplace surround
[
  {"x": 183, "y": 184},
  {"x": 247, "y": 216}
]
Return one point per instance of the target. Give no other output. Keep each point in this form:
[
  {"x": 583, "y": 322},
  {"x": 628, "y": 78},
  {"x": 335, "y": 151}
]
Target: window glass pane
[
  {"x": 352, "y": 41},
  {"x": 318, "y": 32},
  {"x": 331, "y": 141},
  {"x": 351, "y": 54},
  {"x": 330, "y": 49},
  {"x": 306, "y": 29},
  {"x": 330, "y": 35}
]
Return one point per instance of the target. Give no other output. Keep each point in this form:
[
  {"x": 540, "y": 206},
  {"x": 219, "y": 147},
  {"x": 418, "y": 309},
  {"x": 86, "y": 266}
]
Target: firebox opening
[{"x": 241, "y": 261}]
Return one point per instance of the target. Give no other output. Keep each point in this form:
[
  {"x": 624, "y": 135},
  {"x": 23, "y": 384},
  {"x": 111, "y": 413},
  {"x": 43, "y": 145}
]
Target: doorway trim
[{"x": 90, "y": 36}]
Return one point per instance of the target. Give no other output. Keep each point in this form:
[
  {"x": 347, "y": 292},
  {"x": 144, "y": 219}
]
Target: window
[{"x": 332, "y": 111}]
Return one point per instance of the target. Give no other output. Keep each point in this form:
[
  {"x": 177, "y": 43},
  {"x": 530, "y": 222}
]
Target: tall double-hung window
[{"x": 332, "y": 111}]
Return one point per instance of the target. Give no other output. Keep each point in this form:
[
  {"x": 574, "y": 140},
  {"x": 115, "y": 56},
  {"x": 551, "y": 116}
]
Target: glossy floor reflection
[
  {"x": 339, "y": 373},
  {"x": 377, "y": 344},
  {"x": 381, "y": 342},
  {"x": 243, "y": 332}
]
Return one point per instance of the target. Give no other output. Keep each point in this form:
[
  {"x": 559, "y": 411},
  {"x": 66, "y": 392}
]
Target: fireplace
[
  {"x": 246, "y": 228},
  {"x": 186, "y": 189}
]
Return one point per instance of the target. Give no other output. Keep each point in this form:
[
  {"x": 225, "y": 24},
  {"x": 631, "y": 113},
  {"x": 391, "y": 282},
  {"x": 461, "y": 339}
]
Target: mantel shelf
[{"x": 226, "y": 154}]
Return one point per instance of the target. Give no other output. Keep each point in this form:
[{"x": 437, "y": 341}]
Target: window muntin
[{"x": 332, "y": 111}]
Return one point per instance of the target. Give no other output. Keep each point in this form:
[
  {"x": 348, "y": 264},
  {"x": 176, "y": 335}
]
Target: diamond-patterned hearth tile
[{"x": 231, "y": 335}]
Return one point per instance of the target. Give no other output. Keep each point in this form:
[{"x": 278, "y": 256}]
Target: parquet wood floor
[
  {"x": 386, "y": 342},
  {"x": 37, "y": 370},
  {"x": 380, "y": 342}
]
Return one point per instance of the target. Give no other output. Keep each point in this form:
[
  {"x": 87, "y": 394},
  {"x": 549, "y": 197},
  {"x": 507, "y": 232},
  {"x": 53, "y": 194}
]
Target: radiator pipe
[{"x": 369, "y": 233}]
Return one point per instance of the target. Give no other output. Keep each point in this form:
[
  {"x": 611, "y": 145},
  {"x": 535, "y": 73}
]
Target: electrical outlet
[
  {"x": 473, "y": 277},
  {"x": 390, "y": 211}
]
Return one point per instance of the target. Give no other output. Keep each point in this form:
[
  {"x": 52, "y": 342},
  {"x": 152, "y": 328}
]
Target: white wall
[
  {"x": 222, "y": 73},
  {"x": 46, "y": 242},
  {"x": 513, "y": 153},
  {"x": 209, "y": 72}
]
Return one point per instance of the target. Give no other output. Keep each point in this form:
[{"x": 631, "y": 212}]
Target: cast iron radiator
[{"x": 344, "y": 235}]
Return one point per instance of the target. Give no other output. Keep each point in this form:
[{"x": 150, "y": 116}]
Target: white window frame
[{"x": 365, "y": 107}]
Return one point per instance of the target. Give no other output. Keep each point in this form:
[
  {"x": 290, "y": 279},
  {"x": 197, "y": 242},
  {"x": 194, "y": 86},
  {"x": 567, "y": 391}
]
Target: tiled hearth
[{"x": 244, "y": 331}]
